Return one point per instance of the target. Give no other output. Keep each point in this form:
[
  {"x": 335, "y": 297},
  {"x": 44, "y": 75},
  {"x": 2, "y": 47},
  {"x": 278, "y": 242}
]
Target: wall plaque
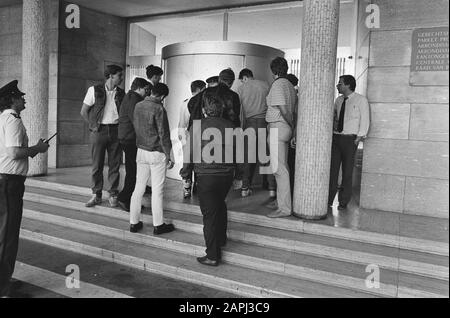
[{"x": 430, "y": 57}]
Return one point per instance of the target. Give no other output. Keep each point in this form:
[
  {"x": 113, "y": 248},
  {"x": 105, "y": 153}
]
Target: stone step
[
  {"x": 227, "y": 277},
  {"x": 293, "y": 224},
  {"x": 427, "y": 265},
  {"x": 321, "y": 270}
]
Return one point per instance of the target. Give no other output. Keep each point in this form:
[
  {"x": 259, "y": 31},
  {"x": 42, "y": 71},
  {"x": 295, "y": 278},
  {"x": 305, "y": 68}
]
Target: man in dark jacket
[
  {"x": 214, "y": 175},
  {"x": 232, "y": 104},
  {"x": 127, "y": 138}
]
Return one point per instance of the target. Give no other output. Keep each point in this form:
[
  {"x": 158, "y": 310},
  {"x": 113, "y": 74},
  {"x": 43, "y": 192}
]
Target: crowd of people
[{"x": 135, "y": 124}]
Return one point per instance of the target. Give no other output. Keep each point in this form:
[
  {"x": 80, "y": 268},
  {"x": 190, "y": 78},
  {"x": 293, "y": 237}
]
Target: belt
[
  {"x": 344, "y": 135},
  {"x": 109, "y": 125},
  {"x": 4, "y": 176}
]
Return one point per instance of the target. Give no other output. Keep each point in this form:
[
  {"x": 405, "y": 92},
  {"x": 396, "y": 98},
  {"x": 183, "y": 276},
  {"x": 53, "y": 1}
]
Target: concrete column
[
  {"x": 35, "y": 77},
  {"x": 315, "y": 115}
]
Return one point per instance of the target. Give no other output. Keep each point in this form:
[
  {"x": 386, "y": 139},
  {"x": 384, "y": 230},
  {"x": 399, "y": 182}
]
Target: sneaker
[
  {"x": 278, "y": 214},
  {"x": 272, "y": 205},
  {"x": 134, "y": 228},
  {"x": 113, "y": 202},
  {"x": 245, "y": 192},
  {"x": 237, "y": 184},
  {"x": 272, "y": 194},
  {"x": 163, "y": 228},
  {"x": 94, "y": 201},
  {"x": 186, "y": 193},
  {"x": 206, "y": 261}
]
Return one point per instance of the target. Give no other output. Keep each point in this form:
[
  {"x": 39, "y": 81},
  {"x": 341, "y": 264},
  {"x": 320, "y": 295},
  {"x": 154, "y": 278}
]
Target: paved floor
[
  {"x": 354, "y": 217},
  {"x": 99, "y": 278}
]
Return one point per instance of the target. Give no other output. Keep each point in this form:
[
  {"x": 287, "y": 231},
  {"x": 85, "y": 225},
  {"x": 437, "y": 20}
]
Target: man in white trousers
[{"x": 153, "y": 158}]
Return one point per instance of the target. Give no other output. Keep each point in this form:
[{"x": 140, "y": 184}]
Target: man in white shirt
[
  {"x": 14, "y": 153},
  {"x": 196, "y": 87},
  {"x": 101, "y": 111},
  {"x": 351, "y": 125}
]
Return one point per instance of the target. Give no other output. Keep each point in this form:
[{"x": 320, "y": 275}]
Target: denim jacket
[{"x": 152, "y": 126}]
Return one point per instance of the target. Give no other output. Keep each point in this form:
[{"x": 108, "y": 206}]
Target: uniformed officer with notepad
[{"x": 14, "y": 153}]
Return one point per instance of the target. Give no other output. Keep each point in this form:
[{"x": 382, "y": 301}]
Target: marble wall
[{"x": 405, "y": 166}]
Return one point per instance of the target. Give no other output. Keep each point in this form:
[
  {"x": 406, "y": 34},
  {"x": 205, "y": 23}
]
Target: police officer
[{"x": 14, "y": 153}]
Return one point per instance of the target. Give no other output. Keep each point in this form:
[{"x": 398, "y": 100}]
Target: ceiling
[{"x": 136, "y": 8}]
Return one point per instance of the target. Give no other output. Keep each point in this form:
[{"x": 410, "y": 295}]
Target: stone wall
[
  {"x": 10, "y": 44},
  {"x": 405, "y": 167},
  {"x": 84, "y": 52},
  {"x": 11, "y": 60}
]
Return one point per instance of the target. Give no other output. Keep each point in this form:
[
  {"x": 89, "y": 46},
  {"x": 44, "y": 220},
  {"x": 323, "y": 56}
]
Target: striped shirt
[{"x": 282, "y": 92}]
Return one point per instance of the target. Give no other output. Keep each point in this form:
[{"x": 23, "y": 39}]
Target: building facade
[{"x": 405, "y": 158}]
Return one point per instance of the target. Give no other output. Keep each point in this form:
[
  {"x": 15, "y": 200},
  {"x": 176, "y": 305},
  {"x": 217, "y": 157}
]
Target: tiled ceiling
[{"x": 135, "y": 8}]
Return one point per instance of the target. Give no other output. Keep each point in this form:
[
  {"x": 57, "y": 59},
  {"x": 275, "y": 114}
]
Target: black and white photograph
[{"x": 221, "y": 154}]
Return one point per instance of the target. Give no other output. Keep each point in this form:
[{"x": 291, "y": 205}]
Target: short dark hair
[
  {"x": 198, "y": 84},
  {"x": 227, "y": 76},
  {"x": 160, "y": 89},
  {"x": 153, "y": 70},
  {"x": 212, "y": 104},
  {"x": 139, "y": 82},
  {"x": 245, "y": 72},
  {"x": 349, "y": 80},
  {"x": 112, "y": 70},
  {"x": 212, "y": 79},
  {"x": 292, "y": 78},
  {"x": 279, "y": 66}
]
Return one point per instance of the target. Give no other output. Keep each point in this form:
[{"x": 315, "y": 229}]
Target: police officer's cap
[{"x": 11, "y": 89}]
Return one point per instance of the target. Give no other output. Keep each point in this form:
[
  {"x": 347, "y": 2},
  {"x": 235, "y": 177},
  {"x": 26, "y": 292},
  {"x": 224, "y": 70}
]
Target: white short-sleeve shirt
[
  {"x": 12, "y": 134},
  {"x": 110, "y": 114}
]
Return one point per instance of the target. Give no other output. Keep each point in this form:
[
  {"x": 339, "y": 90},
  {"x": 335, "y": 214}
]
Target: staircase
[{"x": 263, "y": 257}]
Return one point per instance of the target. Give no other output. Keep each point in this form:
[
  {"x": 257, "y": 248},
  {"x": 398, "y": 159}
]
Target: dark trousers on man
[
  {"x": 342, "y": 153},
  {"x": 102, "y": 141},
  {"x": 212, "y": 191},
  {"x": 11, "y": 205},
  {"x": 130, "y": 151},
  {"x": 249, "y": 166},
  {"x": 291, "y": 165}
]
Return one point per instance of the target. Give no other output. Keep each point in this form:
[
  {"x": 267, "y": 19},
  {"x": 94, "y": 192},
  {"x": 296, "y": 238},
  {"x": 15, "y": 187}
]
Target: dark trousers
[
  {"x": 11, "y": 206},
  {"x": 130, "y": 151},
  {"x": 212, "y": 191},
  {"x": 342, "y": 153},
  {"x": 248, "y": 168},
  {"x": 102, "y": 141},
  {"x": 291, "y": 165}
]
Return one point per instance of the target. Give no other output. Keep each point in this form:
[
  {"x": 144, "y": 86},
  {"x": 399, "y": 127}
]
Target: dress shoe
[
  {"x": 163, "y": 228},
  {"x": 342, "y": 207},
  {"x": 206, "y": 261},
  {"x": 94, "y": 201},
  {"x": 134, "y": 228},
  {"x": 124, "y": 206},
  {"x": 278, "y": 214}
]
